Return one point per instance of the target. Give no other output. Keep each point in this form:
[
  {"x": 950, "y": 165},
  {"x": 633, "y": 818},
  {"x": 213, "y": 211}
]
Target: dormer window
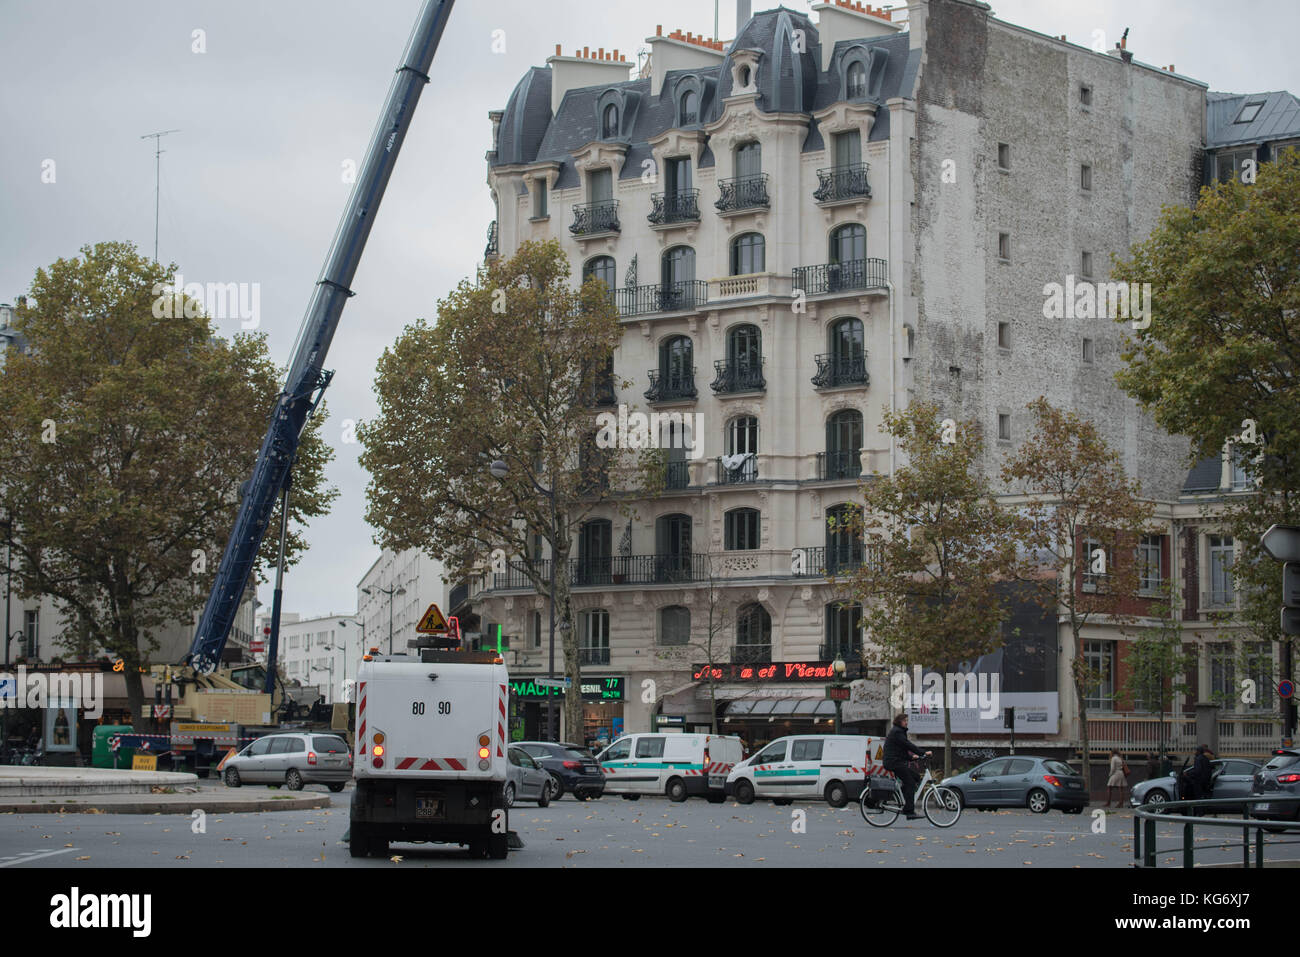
[
  {"x": 856, "y": 81},
  {"x": 609, "y": 123},
  {"x": 1249, "y": 112},
  {"x": 745, "y": 75},
  {"x": 690, "y": 105}
]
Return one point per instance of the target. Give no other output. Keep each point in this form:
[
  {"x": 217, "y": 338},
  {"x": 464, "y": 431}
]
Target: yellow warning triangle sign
[
  {"x": 880, "y": 752},
  {"x": 432, "y": 622}
]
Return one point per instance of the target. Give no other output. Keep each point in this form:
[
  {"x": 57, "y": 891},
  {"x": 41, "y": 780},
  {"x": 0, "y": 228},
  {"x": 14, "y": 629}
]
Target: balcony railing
[
  {"x": 609, "y": 570},
  {"x": 663, "y": 297},
  {"x": 743, "y": 474},
  {"x": 682, "y": 206},
  {"x": 821, "y": 561},
  {"x": 738, "y": 377},
  {"x": 854, "y": 274},
  {"x": 844, "y": 464},
  {"x": 593, "y": 656},
  {"x": 671, "y": 387},
  {"x": 847, "y": 651},
  {"x": 751, "y": 654},
  {"x": 840, "y": 183},
  {"x": 591, "y": 219},
  {"x": 840, "y": 370},
  {"x": 491, "y": 249},
  {"x": 743, "y": 192}
]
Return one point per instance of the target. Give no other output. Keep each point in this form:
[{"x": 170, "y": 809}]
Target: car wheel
[
  {"x": 232, "y": 778},
  {"x": 1156, "y": 796},
  {"x": 293, "y": 780},
  {"x": 336, "y": 788},
  {"x": 676, "y": 790},
  {"x": 744, "y": 792},
  {"x": 1039, "y": 802},
  {"x": 544, "y": 799},
  {"x": 836, "y": 794},
  {"x": 510, "y": 795},
  {"x": 557, "y": 787}
]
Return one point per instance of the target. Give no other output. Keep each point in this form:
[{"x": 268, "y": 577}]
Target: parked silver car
[
  {"x": 527, "y": 780},
  {"x": 1037, "y": 783},
  {"x": 292, "y": 759},
  {"x": 1232, "y": 778}
]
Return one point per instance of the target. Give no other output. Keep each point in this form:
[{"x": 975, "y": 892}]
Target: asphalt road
[{"x": 609, "y": 832}]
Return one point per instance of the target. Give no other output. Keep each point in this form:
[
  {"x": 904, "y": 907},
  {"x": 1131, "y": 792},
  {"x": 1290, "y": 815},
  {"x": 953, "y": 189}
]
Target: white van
[
  {"x": 829, "y": 767},
  {"x": 677, "y": 765}
]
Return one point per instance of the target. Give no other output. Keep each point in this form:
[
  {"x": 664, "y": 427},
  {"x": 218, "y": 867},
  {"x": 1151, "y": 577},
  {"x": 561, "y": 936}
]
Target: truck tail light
[
  {"x": 484, "y": 750},
  {"x": 311, "y": 757},
  {"x": 377, "y": 749}
]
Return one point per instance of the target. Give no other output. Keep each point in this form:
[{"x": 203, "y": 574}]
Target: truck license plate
[{"x": 426, "y": 807}]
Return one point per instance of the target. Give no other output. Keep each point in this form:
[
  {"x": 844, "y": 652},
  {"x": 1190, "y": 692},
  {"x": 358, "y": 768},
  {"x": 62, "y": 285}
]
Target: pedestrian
[
  {"x": 897, "y": 758},
  {"x": 1202, "y": 774},
  {"x": 1118, "y": 778},
  {"x": 1153, "y": 766}
]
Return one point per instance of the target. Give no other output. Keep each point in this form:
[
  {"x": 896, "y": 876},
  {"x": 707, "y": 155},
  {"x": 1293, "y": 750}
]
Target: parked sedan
[
  {"x": 526, "y": 781},
  {"x": 571, "y": 766},
  {"x": 1280, "y": 776},
  {"x": 292, "y": 759},
  {"x": 1233, "y": 777},
  {"x": 1039, "y": 784}
]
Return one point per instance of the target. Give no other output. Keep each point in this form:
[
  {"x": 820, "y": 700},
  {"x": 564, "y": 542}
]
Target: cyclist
[{"x": 898, "y": 752}]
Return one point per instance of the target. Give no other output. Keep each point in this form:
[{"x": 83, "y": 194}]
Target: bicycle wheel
[
  {"x": 942, "y": 806},
  {"x": 881, "y": 814}
]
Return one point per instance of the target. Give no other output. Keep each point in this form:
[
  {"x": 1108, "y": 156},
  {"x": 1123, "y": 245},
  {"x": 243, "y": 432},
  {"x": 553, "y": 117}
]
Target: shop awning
[{"x": 780, "y": 708}]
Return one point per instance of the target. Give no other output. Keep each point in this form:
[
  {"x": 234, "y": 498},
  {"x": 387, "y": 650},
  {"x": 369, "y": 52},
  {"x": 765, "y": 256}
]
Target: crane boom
[{"x": 307, "y": 379}]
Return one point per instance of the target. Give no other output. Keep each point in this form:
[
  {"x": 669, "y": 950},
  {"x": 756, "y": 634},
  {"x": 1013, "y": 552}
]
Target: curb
[{"x": 208, "y": 805}]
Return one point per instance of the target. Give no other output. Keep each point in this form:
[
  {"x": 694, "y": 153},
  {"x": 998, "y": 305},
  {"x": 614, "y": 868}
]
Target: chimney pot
[{"x": 557, "y": 50}]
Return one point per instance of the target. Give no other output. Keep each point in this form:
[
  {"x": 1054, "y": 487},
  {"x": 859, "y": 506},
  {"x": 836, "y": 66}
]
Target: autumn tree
[
  {"x": 1082, "y": 521},
  {"x": 126, "y": 437},
  {"x": 939, "y": 550},
  {"x": 510, "y": 373}
]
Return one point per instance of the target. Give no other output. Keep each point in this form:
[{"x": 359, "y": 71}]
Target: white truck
[{"x": 430, "y": 761}]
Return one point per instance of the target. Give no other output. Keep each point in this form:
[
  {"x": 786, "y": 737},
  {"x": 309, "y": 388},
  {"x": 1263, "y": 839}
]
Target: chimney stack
[{"x": 743, "y": 8}]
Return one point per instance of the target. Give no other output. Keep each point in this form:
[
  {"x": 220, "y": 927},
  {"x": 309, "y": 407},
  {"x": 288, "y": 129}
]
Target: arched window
[
  {"x": 748, "y": 254},
  {"x": 593, "y": 637},
  {"x": 690, "y": 105},
  {"x": 843, "y": 445},
  {"x": 843, "y": 631},
  {"x": 609, "y": 124},
  {"x": 675, "y": 625},
  {"x": 849, "y": 243},
  {"x": 742, "y": 529},
  {"x": 742, "y": 370},
  {"x": 846, "y": 340},
  {"x": 843, "y": 538},
  {"x": 753, "y": 635},
  {"x": 856, "y": 80},
  {"x": 678, "y": 291},
  {"x": 673, "y": 548},
  {"x": 602, "y": 268},
  {"x": 675, "y": 378},
  {"x": 595, "y": 540}
]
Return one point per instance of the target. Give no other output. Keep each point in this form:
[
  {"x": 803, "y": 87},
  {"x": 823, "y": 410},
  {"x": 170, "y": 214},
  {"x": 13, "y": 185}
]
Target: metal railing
[
  {"x": 738, "y": 377},
  {"x": 590, "y": 219},
  {"x": 671, "y": 387},
  {"x": 848, "y": 651},
  {"x": 491, "y": 249},
  {"x": 743, "y": 192},
  {"x": 593, "y": 656},
  {"x": 836, "y": 466},
  {"x": 745, "y": 474},
  {"x": 1145, "y": 732},
  {"x": 820, "y": 561},
  {"x": 840, "y": 370},
  {"x": 662, "y": 297},
  {"x": 1146, "y": 849},
  {"x": 838, "y": 183},
  {"x": 851, "y": 275},
  {"x": 677, "y": 475},
  {"x": 751, "y": 654},
  {"x": 682, "y": 206},
  {"x": 609, "y": 570}
]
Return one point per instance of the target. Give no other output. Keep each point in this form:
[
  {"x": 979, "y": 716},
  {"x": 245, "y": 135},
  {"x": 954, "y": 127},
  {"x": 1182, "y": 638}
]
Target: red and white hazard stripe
[
  {"x": 718, "y": 767},
  {"x": 431, "y": 764},
  {"x": 501, "y": 718},
  {"x": 361, "y": 717}
]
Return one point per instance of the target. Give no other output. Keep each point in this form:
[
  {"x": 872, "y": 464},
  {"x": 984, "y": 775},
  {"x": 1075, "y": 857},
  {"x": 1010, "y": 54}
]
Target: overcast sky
[{"x": 288, "y": 90}]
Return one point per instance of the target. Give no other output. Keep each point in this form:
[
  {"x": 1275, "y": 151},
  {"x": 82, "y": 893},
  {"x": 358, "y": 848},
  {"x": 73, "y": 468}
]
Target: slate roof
[
  {"x": 789, "y": 81},
  {"x": 1205, "y": 476},
  {"x": 1278, "y": 118}
]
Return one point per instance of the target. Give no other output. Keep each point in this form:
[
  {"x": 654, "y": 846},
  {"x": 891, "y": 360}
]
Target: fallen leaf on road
[
  {"x": 69, "y": 845},
  {"x": 571, "y": 853},
  {"x": 182, "y": 857},
  {"x": 396, "y": 858},
  {"x": 87, "y": 857}
]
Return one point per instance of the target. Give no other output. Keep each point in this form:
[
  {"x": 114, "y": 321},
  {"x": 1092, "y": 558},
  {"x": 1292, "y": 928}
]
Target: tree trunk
[
  {"x": 134, "y": 692},
  {"x": 1081, "y": 690},
  {"x": 573, "y": 728},
  {"x": 947, "y": 733},
  {"x": 713, "y": 702}
]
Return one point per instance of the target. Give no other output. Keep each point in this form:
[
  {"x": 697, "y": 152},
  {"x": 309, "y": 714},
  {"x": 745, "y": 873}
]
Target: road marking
[{"x": 36, "y": 856}]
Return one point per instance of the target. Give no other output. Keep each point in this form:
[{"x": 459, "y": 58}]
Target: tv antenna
[{"x": 157, "y": 180}]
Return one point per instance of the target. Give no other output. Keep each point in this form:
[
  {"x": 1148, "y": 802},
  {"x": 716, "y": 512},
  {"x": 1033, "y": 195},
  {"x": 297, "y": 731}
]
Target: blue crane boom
[{"x": 307, "y": 379}]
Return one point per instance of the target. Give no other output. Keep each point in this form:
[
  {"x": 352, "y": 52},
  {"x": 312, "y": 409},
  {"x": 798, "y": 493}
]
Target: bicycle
[{"x": 941, "y": 805}]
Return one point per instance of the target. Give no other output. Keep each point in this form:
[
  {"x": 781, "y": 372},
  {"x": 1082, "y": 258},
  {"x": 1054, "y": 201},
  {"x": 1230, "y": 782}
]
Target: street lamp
[
  {"x": 839, "y": 667},
  {"x": 390, "y": 592},
  {"x": 344, "y": 622}
]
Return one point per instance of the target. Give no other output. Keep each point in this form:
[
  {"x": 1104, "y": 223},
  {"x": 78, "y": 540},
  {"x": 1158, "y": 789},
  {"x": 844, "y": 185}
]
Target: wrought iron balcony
[
  {"x": 846, "y": 651},
  {"x": 840, "y": 370},
  {"x": 607, "y": 570},
  {"x": 593, "y": 656},
  {"x": 664, "y": 297},
  {"x": 751, "y": 654},
  {"x": 854, "y": 274},
  {"x": 842, "y": 183},
  {"x": 678, "y": 475},
  {"x": 591, "y": 219},
  {"x": 682, "y": 206},
  {"x": 821, "y": 561},
  {"x": 491, "y": 250},
  {"x": 671, "y": 387},
  {"x": 743, "y": 192},
  {"x": 834, "y": 466},
  {"x": 738, "y": 377},
  {"x": 743, "y": 474}
]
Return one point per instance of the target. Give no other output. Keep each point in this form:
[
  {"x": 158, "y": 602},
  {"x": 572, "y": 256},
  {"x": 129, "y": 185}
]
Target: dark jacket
[
  {"x": 1203, "y": 771},
  {"x": 897, "y": 748}
]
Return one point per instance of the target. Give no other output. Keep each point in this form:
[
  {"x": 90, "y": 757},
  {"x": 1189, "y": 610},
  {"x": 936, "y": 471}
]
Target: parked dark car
[
  {"x": 1279, "y": 777},
  {"x": 1233, "y": 777},
  {"x": 1039, "y": 784},
  {"x": 572, "y": 767}
]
